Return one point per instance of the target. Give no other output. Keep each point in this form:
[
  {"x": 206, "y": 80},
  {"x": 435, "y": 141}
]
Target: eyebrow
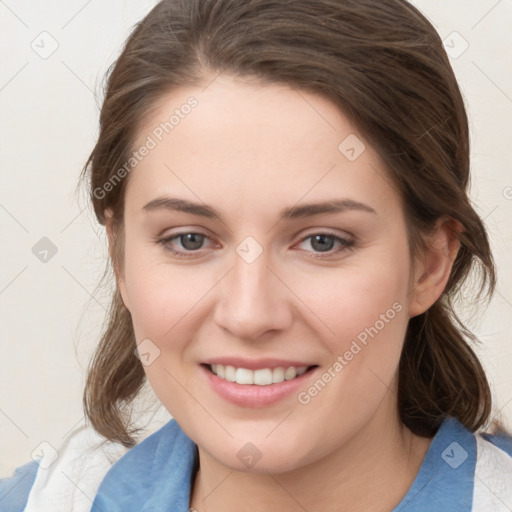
[{"x": 294, "y": 212}]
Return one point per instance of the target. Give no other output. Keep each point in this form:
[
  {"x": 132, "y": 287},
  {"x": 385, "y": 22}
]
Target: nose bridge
[{"x": 253, "y": 301}]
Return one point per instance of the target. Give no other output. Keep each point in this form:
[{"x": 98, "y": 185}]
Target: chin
[{"x": 262, "y": 454}]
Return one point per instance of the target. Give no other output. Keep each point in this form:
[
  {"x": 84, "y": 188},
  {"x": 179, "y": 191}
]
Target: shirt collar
[
  {"x": 157, "y": 474},
  {"x": 445, "y": 480}
]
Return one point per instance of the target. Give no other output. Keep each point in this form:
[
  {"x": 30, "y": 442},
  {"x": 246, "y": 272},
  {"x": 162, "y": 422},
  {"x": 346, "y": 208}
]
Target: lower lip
[{"x": 252, "y": 395}]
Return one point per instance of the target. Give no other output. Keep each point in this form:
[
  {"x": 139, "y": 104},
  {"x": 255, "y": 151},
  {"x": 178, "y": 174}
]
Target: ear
[
  {"x": 118, "y": 271},
  {"x": 434, "y": 266}
]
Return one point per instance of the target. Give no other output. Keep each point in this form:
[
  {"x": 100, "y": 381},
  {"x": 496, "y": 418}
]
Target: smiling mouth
[{"x": 260, "y": 377}]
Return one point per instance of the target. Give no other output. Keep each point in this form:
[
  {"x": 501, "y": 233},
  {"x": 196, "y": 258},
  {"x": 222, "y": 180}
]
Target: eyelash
[{"x": 346, "y": 244}]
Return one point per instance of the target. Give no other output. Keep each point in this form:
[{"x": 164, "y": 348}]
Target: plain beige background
[{"x": 54, "y": 55}]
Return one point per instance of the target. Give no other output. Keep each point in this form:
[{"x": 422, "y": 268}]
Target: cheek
[
  {"x": 158, "y": 303},
  {"x": 166, "y": 303},
  {"x": 367, "y": 315},
  {"x": 169, "y": 303},
  {"x": 159, "y": 295},
  {"x": 364, "y": 311},
  {"x": 354, "y": 300}
]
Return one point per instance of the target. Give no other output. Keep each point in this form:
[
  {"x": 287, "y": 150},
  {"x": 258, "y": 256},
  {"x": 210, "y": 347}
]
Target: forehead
[{"x": 262, "y": 144}]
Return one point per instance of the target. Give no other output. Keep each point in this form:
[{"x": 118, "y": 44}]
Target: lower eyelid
[
  {"x": 180, "y": 253},
  {"x": 346, "y": 246}
]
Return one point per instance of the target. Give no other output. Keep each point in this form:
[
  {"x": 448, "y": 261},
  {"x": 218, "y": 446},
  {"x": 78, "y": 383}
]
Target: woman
[{"x": 284, "y": 189}]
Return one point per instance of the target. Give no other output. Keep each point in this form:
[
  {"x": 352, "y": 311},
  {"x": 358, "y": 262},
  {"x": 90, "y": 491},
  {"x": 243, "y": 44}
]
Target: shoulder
[
  {"x": 154, "y": 475},
  {"x": 486, "y": 460},
  {"x": 462, "y": 471},
  {"x": 63, "y": 479},
  {"x": 14, "y": 491},
  {"x": 493, "y": 474}
]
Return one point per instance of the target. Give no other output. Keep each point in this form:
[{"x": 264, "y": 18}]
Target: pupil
[
  {"x": 192, "y": 241},
  {"x": 322, "y": 242}
]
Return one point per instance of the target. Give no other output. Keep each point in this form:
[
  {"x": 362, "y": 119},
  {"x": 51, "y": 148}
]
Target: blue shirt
[{"x": 156, "y": 475}]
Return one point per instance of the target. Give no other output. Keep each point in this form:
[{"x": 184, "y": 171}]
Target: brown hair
[{"x": 384, "y": 65}]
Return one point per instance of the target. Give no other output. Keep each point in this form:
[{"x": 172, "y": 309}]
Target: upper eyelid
[
  {"x": 326, "y": 231},
  {"x": 197, "y": 231},
  {"x": 320, "y": 231}
]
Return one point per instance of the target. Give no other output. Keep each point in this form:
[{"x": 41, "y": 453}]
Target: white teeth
[
  {"x": 262, "y": 377},
  {"x": 290, "y": 373},
  {"x": 230, "y": 373},
  {"x": 243, "y": 376},
  {"x": 277, "y": 375}
]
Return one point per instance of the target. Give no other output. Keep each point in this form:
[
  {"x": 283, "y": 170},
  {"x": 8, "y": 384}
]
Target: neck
[{"x": 372, "y": 472}]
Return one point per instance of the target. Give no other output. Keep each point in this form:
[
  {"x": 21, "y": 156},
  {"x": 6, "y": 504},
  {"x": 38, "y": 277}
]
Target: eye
[
  {"x": 322, "y": 244},
  {"x": 191, "y": 241},
  {"x": 183, "y": 244}
]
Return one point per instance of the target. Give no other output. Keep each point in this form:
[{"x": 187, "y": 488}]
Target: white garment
[
  {"x": 71, "y": 482},
  {"x": 493, "y": 479}
]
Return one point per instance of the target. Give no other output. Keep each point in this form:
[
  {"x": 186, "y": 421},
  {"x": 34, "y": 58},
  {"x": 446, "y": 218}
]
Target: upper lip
[{"x": 257, "y": 364}]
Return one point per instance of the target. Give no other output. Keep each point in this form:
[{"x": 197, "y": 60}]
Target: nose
[{"x": 253, "y": 301}]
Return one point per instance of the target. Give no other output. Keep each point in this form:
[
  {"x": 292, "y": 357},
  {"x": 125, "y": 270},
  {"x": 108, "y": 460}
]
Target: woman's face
[{"x": 262, "y": 233}]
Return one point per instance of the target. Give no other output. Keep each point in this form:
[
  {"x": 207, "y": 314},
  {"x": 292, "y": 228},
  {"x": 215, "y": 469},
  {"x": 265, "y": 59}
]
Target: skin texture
[{"x": 249, "y": 151}]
